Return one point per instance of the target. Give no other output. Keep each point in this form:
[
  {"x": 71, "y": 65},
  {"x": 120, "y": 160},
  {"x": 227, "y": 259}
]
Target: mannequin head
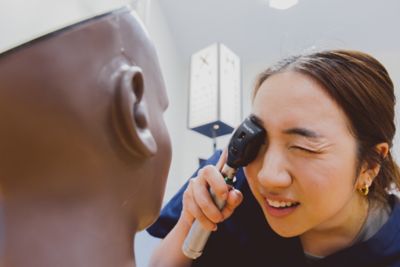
[{"x": 81, "y": 115}]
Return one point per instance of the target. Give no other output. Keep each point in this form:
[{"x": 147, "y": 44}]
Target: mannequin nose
[{"x": 274, "y": 172}]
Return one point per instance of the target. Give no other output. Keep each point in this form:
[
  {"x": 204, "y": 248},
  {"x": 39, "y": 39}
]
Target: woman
[{"x": 320, "y": 180}]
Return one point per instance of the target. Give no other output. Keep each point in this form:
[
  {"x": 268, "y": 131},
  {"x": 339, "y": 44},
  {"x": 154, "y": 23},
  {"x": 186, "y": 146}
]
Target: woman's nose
[{"x": 274, "y": 169}]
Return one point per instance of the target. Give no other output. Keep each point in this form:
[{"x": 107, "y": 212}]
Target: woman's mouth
[{"x": 280, "y": 208}]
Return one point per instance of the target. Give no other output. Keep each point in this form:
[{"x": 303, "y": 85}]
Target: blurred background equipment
[{"x": 215, "y": 91}]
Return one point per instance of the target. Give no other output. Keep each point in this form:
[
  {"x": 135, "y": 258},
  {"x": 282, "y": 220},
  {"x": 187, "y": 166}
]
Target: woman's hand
[{"x": 198, "y": 203}]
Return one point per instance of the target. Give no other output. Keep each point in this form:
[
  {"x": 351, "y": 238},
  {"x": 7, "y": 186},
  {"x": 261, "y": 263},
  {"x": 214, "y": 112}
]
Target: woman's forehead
[
  {"x": 291, "y": 85},
  {"x": 293, "y": 99}
]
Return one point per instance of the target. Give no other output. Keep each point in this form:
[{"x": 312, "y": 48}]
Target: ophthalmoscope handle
[
  {"x": 242, "y": 149},
  {"x": 197, "y": 238}
]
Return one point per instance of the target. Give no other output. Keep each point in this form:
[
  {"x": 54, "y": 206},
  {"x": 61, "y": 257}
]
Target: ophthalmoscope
[{"x": 242, "y": 149}]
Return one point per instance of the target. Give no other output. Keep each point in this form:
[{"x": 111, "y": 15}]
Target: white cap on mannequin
[{"x": 24, "y": 20}]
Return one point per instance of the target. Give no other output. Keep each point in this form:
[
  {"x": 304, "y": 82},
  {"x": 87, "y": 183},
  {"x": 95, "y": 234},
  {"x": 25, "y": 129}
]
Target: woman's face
[{"x": 304, "y": 175}]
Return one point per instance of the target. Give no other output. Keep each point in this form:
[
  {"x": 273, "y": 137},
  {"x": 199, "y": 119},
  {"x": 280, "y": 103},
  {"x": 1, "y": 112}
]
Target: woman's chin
[{"x": 282, "y": 229}]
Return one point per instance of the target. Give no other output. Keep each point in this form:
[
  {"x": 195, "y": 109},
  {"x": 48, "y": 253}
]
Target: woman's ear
[
  {"x": 382, "y": 149},
  {"x": 368, "y": 172},
  {"x": 130, "y": 115}
]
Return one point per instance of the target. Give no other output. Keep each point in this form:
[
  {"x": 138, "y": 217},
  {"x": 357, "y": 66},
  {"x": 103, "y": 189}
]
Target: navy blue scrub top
[{"x": 245, "y": 239}]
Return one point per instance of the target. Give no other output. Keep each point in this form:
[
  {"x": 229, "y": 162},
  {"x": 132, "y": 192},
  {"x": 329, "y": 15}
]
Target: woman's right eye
[{"x": 304, "y": 149}]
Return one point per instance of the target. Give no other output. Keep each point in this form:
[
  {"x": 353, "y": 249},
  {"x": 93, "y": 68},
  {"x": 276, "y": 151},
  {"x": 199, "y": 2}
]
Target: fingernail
[{"x": 215, "y": 228}]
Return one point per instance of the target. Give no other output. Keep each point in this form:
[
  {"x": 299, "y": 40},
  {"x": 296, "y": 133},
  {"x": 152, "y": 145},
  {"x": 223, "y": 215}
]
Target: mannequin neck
[{"x": 73, "y": 233}]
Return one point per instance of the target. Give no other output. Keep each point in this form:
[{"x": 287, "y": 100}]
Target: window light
[{"x": 282, "y": 4}]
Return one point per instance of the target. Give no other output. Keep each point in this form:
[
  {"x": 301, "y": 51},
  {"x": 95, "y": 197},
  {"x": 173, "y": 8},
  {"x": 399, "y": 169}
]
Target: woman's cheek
[{"x": 251, "y": 172}]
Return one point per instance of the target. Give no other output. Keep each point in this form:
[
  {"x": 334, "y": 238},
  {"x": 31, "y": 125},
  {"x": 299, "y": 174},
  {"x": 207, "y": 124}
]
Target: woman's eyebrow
[
  {"x": 303, "y": 132},
  {"x": 310, "y": 134}
]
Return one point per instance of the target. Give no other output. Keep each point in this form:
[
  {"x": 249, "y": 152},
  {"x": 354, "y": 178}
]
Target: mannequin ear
[{"x": 130, "y": 114}]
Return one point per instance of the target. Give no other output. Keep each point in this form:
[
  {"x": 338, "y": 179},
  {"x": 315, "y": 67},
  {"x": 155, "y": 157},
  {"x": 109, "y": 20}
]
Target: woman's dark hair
[{"x": 361, "y": 86}]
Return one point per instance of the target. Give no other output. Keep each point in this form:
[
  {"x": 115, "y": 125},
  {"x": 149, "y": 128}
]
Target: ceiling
[{"x": 258, "y": 33}]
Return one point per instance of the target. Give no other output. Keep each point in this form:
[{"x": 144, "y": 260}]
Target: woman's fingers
[
  {"x": 222, "y": 159},
  {"x": 198, "y": 202},
  {"x": 209, "y": 177},
  {"x": 215, "y": 181},
  {"x": 192, "y": 211},
  {"x": 234, "y": 199}
]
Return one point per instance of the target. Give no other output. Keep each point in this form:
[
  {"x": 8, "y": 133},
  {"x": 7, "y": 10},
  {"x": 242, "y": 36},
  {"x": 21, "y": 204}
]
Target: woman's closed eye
[{"x": 304, "y": 149}]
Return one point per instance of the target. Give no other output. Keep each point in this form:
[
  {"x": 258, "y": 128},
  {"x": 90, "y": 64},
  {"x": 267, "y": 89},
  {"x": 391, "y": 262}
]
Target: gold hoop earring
[{"x": 364, "y": 190}]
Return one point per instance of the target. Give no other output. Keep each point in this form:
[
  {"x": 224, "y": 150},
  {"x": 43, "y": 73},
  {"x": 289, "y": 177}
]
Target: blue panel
[
  {"x": 207, "y": 129},
  {"x": 202, "y": 161}
]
